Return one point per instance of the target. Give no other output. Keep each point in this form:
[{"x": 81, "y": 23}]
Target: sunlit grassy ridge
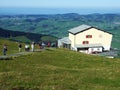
[{"x": 60, "y": 69}]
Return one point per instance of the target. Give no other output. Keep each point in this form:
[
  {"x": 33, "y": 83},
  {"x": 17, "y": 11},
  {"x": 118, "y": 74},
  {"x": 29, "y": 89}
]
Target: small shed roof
[{"x": 65, "y": 40}]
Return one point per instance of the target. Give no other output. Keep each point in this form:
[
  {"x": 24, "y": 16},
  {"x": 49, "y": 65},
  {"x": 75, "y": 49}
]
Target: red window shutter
[
  {"x": 88, "y": 36},
  {"x": 85, "y": 42}
]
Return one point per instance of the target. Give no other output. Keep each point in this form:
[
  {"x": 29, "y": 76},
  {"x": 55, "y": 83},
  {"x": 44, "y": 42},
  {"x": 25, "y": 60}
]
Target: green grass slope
[
  {"x": 60, "y": 69},
  {"x": 20, "y": 39},
  {"x": 12, "y": 46}
]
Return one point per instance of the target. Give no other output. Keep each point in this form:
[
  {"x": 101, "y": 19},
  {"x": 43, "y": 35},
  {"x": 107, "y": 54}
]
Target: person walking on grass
[
  {"x": 32, "y": 46},
  {"x": 4, "y": 49},
  {"x": 20, "y": 47},
  {"x": 27, "y": 47}
]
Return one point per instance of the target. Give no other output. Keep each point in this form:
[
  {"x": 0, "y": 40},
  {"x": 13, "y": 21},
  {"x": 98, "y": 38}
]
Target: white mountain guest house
[{"x": 87, "y": 39}]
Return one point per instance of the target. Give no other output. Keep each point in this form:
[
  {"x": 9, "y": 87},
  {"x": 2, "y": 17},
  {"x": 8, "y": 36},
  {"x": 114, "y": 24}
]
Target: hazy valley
[{"x": 57, "y": 25}]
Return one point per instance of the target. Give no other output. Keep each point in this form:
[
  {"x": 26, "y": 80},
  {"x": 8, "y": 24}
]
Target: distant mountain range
[{"x": 36, "y": 11}]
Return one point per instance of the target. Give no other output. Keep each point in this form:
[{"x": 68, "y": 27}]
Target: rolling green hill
[
  {"x": 25, "y": 36},
  {"x": 60, "y": 69},
  {"x": 59, "y": 24}
]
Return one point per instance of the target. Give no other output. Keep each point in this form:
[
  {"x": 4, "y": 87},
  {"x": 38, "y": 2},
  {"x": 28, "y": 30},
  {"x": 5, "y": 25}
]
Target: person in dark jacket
[
  {"x": 20, "y": 47},
  {"x": 4, "y": 49}
]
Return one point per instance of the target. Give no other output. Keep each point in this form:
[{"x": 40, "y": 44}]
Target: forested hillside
[
  {"x": 58, "y": 25},
  {"x": 25, "y": 37}
]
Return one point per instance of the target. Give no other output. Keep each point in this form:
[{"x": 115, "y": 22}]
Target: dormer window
[{"x": 88, "y": 36}]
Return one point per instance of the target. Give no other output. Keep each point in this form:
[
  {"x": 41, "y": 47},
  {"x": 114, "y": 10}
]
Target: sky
[{"x": 61, "y": 3}]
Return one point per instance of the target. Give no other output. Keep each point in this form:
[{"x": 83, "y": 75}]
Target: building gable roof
[
  {"x": 82, "y": 28},
  {"x": 79, "y": 29}
]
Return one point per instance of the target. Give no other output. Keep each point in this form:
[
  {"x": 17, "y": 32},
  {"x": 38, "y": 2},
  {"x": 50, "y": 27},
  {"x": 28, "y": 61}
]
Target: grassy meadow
[
  {"x": 58, "y": 69},
  {"x": 12, "y": 46}
]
